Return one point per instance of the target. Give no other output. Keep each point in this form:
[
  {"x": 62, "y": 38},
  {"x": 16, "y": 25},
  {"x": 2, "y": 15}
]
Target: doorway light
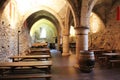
[
  {"x": 72, "y": 31},
  {"x": 42, "y": 33}
]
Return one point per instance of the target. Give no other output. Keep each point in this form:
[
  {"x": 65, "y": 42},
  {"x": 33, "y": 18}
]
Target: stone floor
[{"x": 63, "y": 69}]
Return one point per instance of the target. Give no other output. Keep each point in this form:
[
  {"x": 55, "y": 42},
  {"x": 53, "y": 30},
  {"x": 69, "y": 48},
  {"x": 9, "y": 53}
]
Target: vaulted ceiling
[{"x": 57, "y": 6}]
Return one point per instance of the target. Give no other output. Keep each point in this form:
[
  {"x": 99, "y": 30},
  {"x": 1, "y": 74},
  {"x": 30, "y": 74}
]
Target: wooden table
[
  {"x": 39, "y": 53},
  {"x": 111, "y": 54},
  {"x": 40, "y": 49},
  {"x": 14, "y": 65},
  {"x": 22, "y": 57},
  {"x": 38, "y": 44},
  {"x": 25, "y": 64},
  {"x": 111, "y": 58},
  {"x": 98, "y": 53}
]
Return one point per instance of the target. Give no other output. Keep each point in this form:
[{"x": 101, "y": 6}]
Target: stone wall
[
  {"x": 109, "y": 38},
  {"x": 9, "y": 35},
  {"x": 25, "y": 39},
  {"x": 8, "y": 40}
]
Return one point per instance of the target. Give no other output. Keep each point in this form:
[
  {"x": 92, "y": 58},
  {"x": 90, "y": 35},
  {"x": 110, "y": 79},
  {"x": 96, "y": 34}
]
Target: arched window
[{"x": 42, "y": 33}]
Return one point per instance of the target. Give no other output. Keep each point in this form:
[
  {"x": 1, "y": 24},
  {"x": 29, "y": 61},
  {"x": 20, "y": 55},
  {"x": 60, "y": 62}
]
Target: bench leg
[
  {"x": 48, "y": 78},
  {"x": 108, "y": 65},
  {"x": 111, "y": 65},
  {"x": 48, "y": 70}
]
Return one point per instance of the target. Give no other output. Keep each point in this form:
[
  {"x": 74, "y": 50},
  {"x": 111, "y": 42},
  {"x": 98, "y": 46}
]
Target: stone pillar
[
  {"x": 82, "y": 38},
  {"x": 81, "y": 41},
  {"x": 65, "y": 45}
]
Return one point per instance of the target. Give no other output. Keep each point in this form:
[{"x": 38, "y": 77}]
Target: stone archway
[
  {"x": 42, "y": 14},
  {"x": 73, "y": 7}
]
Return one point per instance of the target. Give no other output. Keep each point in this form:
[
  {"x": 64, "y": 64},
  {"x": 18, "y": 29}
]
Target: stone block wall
[
  {"x": 110, "y": 36},
  {"x": 9, "y": 36},
  {"x": 8, "y": 41}
]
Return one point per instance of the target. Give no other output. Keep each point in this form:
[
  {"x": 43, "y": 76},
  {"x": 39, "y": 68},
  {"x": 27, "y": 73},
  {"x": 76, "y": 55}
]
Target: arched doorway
[{"x": 22, "y": 14}]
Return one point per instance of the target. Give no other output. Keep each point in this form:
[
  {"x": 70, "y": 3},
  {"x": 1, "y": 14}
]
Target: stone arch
[
  {"x": 3, "y": 3},
  {"x": 86, "y": 10},
  {"x": 72, "y": 8},
  {"x": 67, "y": 20},
  {"x": 44, "y": 9},
  {"x": 40, "y": 15},
  {"x": 69, "y": 2}
]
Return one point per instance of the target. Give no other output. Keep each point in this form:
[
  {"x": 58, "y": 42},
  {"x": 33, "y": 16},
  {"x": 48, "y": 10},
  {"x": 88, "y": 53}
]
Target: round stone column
[
  {"x": 81, "y": 41},
  {"x": 65, "y": 45}
]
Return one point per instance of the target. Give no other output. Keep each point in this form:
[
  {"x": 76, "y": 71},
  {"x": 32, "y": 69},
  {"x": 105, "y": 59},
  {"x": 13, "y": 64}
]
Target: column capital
[
  {"x": 65, "y": 32},
  {"x": 83, "y": 30},
  {"x": 65, "y": 35}
]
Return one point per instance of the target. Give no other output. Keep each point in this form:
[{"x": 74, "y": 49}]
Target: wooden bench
[
  {"x": 40, "y": 49},
  {"x": 34, "y": 64},
  {"x": 23, "y": 70},
  {"x": 39, "y": 53},
  {"x": 113, "y": 61},
  {"x": 17, "y": 68},
  {"x": 40, "y": 44},
  {"x": 25, "y": 76},
  {"x": 22, "y": 57}
]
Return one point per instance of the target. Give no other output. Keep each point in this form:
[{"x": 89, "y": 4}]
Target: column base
[{"x": 65, "y": 54}]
